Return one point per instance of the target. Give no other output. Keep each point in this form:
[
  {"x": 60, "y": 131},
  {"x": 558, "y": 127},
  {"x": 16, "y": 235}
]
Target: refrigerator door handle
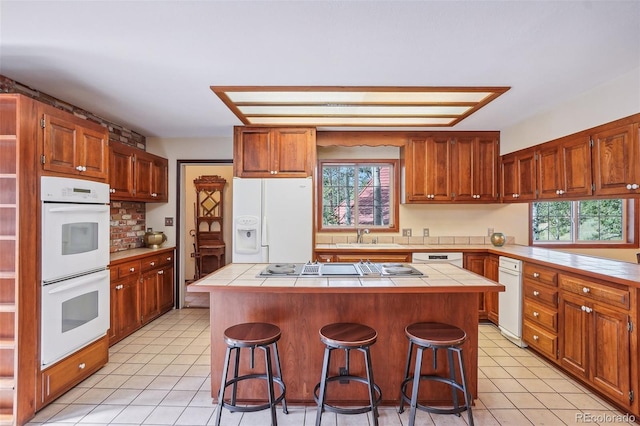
[{"x": 265, "y": 238}]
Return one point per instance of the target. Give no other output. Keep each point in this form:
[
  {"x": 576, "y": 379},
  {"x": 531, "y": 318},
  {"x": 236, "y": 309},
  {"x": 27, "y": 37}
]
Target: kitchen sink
[{"x": 368, "y": 245}]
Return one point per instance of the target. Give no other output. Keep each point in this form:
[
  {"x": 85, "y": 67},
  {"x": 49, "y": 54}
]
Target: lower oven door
[{"x": 75, "y": 312}]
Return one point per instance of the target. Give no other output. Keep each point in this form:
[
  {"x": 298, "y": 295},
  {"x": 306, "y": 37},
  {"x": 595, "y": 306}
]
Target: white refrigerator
[{"x": 272, "y": 220}]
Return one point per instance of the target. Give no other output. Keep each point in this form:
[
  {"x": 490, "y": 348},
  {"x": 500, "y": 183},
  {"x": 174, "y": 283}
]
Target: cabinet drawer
[
  {"x": 541, "y": 316},
  {"x": 540, "y": 274},
  {"x": 541, "y": 294},
  {"x": 126, "y": 269},
  {"x": 166, "y": 259},
  {"x": 541, "y": 340},
  {"x": 595, "y": 291},
  {"x": 60, "y": 377},
  {"x": 151, "y": 262}
]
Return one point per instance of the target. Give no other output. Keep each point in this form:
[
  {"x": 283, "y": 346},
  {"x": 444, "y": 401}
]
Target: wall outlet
[
  {"x": 489, "y": 232},
  {"x": 406, "y": 232},
  {"x": 425, "y": 232},
  {"x": 168, "y": 221}
]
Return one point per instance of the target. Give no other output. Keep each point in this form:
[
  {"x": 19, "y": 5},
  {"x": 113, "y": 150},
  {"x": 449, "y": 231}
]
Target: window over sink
[{"x": 357, "y": 194}]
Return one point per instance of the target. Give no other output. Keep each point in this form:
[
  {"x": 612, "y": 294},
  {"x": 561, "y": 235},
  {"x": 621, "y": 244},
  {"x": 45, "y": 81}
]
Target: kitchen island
[{"x": 300, "y": 306}]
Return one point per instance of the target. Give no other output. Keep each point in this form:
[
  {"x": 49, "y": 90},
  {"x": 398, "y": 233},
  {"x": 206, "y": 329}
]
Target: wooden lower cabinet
[
  {"x": 487, "y": 266},
  {"x": 540, "y": 309},
  {"x": 66, "y": 373},
  {"x": 595, "y": 341},
  {"x": 141, "y": 290}
]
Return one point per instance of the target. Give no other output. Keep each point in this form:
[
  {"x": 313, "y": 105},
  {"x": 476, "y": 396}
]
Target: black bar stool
[
  {"x": 425, "y": 335},
  {"x": 252, "y": 335},
  {"x": 347, "y": 336}
]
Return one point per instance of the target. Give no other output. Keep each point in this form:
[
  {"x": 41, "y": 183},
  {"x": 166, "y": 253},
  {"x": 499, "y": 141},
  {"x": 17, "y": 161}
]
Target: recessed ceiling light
[{"x": 338, "y": 106}]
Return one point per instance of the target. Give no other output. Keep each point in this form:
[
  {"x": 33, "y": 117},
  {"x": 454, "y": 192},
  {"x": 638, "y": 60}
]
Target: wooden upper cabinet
[
  {"x": 518, "y": 174},
  {"x": 428, "y": 164},
  {"x": 261, "y": 152},
  {"x": 475, "y": 168},
  {"x": 74, "y": 146},
  {"x": 137, "y": 175},
  {"x": 616, "y": 155},
  {"x": 564, "y": 168}
]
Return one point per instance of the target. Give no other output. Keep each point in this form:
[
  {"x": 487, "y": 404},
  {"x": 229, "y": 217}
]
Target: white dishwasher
[{"x": 510, "y": 300}]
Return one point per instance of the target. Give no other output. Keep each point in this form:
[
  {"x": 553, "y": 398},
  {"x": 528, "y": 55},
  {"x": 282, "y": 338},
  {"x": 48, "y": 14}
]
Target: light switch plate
[{"x": 168, "y": 221}]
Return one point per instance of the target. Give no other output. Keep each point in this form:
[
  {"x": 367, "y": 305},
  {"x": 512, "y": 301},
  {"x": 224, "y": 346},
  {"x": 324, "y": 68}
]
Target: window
[
  {"x": 604, "y": 222},
  {"x": 358, "y": 194}
]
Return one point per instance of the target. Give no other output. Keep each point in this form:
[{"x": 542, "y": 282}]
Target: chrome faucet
[{"x": 360, "y": 233}]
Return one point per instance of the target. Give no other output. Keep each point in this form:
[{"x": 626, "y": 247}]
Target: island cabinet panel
[
  {"x": 263, "y": 152},
  {"x": 74, "y": 146},
  {"x": 518, "y": 176},
  {"x": 616, "y": 155},
  {"x": 300, "y": 316}
]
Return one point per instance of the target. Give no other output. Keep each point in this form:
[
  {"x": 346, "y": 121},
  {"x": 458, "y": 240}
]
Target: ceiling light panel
[{"x": 355, "y": 106}]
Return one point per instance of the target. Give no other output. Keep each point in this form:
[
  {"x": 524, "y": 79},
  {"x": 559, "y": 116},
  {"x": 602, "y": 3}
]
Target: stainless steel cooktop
[{"x": 358, "y": 269}]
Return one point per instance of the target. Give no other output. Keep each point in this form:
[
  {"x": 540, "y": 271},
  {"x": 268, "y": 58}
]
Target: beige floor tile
[
  {"x": 584, "y": 401},
  {"x": 495, "y": 372},
  {"x": 524, "y": 400},
  {"x": 507, "y": 361},
  {"x": 122, "y": 396},
  {"x": 164, "y": 415},
  {"x": 150, "y": 397},
  {"x": 484, "y": 418},
  {"x": 541, "y": 417},
  {"x": 93, "y": 396},
  {"x": 195, "y": 416},
  {"x": 520, "y": 372},
  {"x": 178, "y": 398},
  {"x": 536, "y": 385},
  {"x": 163, "y": 382},
  {"x": 189, "y": 383},
  {"x": 487, "y": 385},
  {"x": 564, "y": 386},
  {"x": 486, "y": 361},
  {"x": 102, "y": 414},
  {"x": 494, "y": 400},
  {"x": 546, "y": 373},
  {"x": 553, "y": 400},
  {"x": 494, "y": 352},
  {"x": 508, "y": 385},
  {"x": 510, "y": 417}
]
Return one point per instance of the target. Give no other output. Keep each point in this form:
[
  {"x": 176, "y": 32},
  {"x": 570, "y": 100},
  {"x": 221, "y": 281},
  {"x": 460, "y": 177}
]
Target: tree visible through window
[
  {"x": 587, "y": 221},
  {"x": 357, "y": 194}
]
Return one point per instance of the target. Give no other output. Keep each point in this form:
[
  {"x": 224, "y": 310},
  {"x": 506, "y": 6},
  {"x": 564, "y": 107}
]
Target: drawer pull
[
  {"x": 586, "y": 309},
  {"x": 536, "y": 337},
  {"x": 119, "y": 287},
  {"x": 132, "y": 269},
  {"x": 160, "y": 272},
  {"x": 82, "y": 366},
  {"x": 585, "y": 289},
  {"x": 536, "y": 275},
  {"x": 536, "y": 314},
  {"x": 152, "y": 263},
  {"x": 169, "y": 259},
  {"x": 536, "y": 293}
]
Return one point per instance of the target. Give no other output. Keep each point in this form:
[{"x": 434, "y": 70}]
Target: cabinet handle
[
  {"x": 586, "y": 289},
  {"x": 536, "y": 275},
  {"x": 82, "y": 366},
  {"x": 168, "y": 259},
  {"x": 536, "y": 293},
  {"x": 586, "y": 309},
  {"x": 536, "y": 314},
  {"x": 132, "y": 269},
  {"x": 633, "y": 186},
  {"x": 79, "y": 168},
  {"x": 119, "y": 287},
  {"x": 160, "y": 272},
  {"x": 559, "y": 192},
  {"x": 536, "y": 337},
  {"x": 152, "y": 263}
]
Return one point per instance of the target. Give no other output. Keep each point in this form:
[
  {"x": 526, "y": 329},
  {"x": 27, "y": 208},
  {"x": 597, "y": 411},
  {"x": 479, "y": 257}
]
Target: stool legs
[{"x": 323, "y": 384}]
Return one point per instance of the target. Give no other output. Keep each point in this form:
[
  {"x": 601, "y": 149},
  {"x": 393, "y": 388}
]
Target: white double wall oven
[{"x": 75, "y": 259}]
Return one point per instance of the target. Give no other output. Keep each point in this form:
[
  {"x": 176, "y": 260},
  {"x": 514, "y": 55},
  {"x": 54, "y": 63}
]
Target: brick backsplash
[
  {"x": 127, "y": 225},
  {"x": 117, "y": 132}
]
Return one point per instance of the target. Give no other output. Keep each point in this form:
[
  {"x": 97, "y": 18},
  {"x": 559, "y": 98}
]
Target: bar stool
[
  {"x": 436, "y": 336},
  {"x": 252, "y": 335},
  {"x": 347, "y": 336}
]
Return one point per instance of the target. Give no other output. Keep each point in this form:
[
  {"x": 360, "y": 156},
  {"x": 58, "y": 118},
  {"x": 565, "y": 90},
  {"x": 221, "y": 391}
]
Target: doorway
[{"x": 188, "y": 170}]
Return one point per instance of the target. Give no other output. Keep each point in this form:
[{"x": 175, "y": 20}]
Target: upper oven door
[{"x": 75, "y": 239}]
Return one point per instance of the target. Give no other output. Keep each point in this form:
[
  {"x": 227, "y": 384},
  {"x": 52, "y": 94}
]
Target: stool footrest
[
  {"x": 428, "y": 408},
  {"x": 251, "y": 408},
  {"x": 353, "y": 410}
]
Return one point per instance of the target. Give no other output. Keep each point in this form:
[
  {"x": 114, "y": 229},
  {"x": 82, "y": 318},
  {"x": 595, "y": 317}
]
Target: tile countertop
[
  {"x": 625, "y": 273},
  {"x": 138, "y": 252},
  {"x": 438, "y": 278}
]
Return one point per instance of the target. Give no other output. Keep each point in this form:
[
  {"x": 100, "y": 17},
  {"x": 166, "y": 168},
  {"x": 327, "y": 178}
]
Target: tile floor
[{"x": 159, "y": 376}]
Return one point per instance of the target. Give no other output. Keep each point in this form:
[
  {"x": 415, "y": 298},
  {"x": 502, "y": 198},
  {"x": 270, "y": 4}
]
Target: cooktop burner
[
  {"x": 337, "y": 269},
  {"x": 283, "y": 269}
]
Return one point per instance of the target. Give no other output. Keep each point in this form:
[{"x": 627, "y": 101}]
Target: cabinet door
[
  {"x": 149, "y": 296},
  {"x": 526, "y": 176},
  {"x": 474, "y": 169},
  {"x": 160, "y": 191},
  {"x": 252, "y": 152},
  {"x": 576, "y": 167},
  {"x": 475, "y": 263},
  {"x": 491, "y": 298},
  {"x": 292, "y": 155},
  {"x": 616, "y": 155},
  {"x": 143, "y": 177},
  {"x": 509, "y": 177},
  {"x": 93, "y": 153},
  {"x": 125, "y": 308},
  {"x": 165, "y": 280},
  {"x": 60, "y": 145},
  {"x": 573, "y": 335},
  {"x": 550, "y": 176},
  {"x": 428, "y": 169},
  {"x": 121, "y": 173},
  {"x": 610, "y": 352}
]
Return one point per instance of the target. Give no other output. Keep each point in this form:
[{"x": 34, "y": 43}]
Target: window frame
[
  {"x": 632, "y": 225},
  {"x": 395, "y": 188}
]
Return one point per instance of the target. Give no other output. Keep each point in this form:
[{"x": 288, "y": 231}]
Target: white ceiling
[{"x": 148, "y": 65}]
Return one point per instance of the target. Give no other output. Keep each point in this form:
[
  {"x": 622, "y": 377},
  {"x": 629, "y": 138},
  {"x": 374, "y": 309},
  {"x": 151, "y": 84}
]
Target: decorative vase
[
  {"x": 498, "y": 239},
  {"x": 154, "y": 239}
]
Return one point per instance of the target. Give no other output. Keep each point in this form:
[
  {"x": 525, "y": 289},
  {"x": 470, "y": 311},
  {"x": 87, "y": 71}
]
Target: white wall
[{"x": 611, "y": 101}]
